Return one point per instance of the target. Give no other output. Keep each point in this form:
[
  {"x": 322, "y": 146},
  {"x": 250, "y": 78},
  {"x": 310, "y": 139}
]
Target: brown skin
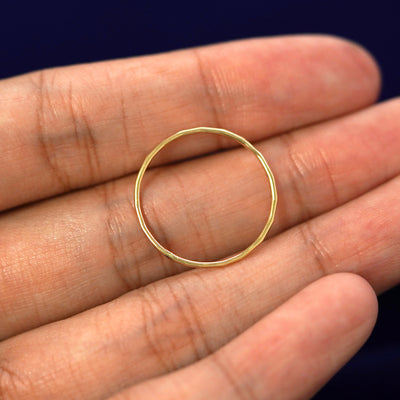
[{"x": 89, "y": 309}]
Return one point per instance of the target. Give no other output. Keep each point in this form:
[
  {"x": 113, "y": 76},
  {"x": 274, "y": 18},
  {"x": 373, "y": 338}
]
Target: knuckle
[
  {"x": 127, "y": 254},
  {"x": 173, "y": 330},
  {"x": 211, "y": 89},
  {"x": 327, "y": 173},
  {"x": 50, "y": 144},
  {"x": 63, "y": 130},
  {"x": 155, "y": 211},
  {"x": 309, "y": 168},
  {"x": 298, "y": 172},
  {"x": 240, "y": 389},
  {"x": 318, "y": 253}
]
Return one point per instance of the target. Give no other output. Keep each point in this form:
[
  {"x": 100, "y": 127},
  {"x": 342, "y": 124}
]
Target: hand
[{"x": 90, "y": 310}]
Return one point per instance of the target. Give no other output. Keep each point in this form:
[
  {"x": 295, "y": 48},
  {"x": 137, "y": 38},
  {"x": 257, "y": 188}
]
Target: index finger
[{"x": 68, "y": 128}]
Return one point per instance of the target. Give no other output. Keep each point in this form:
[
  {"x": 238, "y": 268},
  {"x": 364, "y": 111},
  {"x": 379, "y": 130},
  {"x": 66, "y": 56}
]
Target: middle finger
[{"x": 89, "y": 248}]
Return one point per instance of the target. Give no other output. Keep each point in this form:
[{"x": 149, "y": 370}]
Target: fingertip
[
  {"x": 366, "y": 66},
  {"x": 357, "y": 59},
  {"x": 357, "y": 299}
]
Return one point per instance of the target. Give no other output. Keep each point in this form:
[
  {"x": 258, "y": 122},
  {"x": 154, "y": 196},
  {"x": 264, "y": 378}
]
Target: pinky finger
[{"x": 289, "y": 354}]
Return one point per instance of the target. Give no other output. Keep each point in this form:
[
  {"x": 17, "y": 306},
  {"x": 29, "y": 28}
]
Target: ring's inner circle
[{"x": 209, "y": 207}]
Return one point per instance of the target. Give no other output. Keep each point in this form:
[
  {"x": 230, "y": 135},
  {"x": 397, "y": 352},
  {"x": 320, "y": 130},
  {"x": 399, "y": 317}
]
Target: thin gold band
[{"x": 225, "y": 261}]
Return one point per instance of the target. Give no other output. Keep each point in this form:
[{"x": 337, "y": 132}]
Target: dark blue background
[{"x": 41, "y": 34}]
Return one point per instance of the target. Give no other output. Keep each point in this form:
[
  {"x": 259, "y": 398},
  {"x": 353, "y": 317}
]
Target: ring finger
[{"x": 90, "y": 249}]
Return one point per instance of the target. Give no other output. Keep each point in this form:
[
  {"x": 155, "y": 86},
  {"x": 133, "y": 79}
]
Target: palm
[{"x": 126, "y": 314}]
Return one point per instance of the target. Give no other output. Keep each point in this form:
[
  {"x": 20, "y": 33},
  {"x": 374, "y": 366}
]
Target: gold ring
[{"x": 225, "y": 261}]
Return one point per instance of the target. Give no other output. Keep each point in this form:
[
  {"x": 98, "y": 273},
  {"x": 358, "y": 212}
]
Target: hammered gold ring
[{"x": 230, "y": 259}]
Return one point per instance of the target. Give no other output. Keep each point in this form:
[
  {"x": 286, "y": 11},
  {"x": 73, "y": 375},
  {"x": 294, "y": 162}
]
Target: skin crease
[
  {"x": 240, "y": 371},
  {"x": 89, "y": 309}
]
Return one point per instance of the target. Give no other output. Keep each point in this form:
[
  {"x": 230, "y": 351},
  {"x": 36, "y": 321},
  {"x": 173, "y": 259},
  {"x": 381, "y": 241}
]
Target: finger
[
  {"x": 290, "y": 354},
  {"x": 67, "y": 128},
  {"x": 176, "y": 321},
  {"x": 90, "y": 248},
  {"x": 342, "y": 310}
]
